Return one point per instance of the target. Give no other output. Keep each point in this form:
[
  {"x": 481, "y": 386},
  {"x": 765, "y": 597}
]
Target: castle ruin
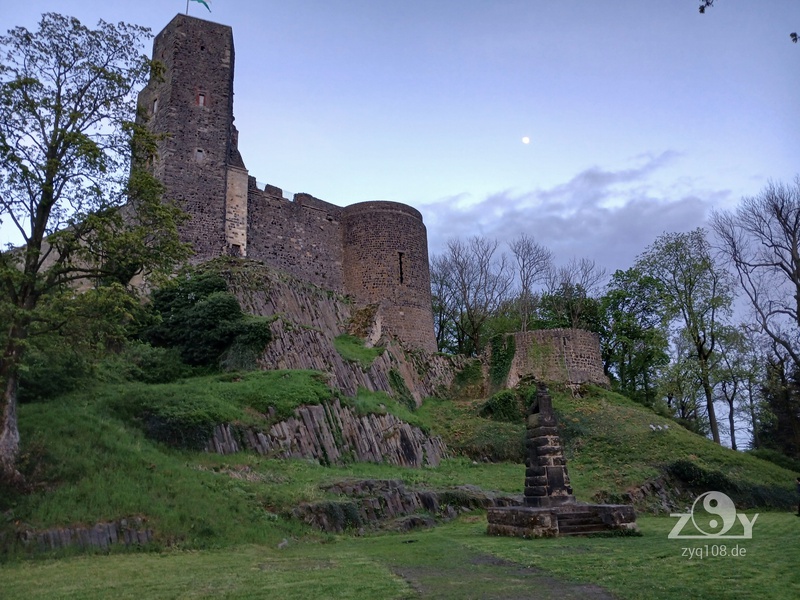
[{"x": 375, "y": 252}]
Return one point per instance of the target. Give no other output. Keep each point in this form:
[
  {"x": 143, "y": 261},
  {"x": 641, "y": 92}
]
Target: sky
[{"x": 641, "y": 116}]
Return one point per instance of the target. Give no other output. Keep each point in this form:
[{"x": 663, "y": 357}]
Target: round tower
[{"x": 385, "y": 262}]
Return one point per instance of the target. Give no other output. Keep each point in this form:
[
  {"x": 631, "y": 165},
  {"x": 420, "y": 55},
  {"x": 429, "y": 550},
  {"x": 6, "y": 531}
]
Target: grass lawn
[{"x": 456, "y": 560}]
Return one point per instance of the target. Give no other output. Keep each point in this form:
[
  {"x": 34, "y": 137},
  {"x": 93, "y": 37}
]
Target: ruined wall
[
  {"x": 301, "y": 237},
  {"x": 193, "y": 102},
  {"x": 558, "y": 355},
  {"x": 386, "y": 263}
]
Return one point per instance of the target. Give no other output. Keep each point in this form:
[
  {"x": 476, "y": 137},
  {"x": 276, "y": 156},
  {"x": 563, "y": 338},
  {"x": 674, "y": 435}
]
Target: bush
[
  {"x": 205, "y": 322},
  {"x": 506, "y": 405}
]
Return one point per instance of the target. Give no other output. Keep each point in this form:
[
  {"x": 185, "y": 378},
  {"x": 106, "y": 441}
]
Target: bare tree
[
  {"x": 475, "y": 281},
  {"x": 534, "y": 261},
  {"x": 572, "y": 290},
  {"x": 762, "y": 241}
]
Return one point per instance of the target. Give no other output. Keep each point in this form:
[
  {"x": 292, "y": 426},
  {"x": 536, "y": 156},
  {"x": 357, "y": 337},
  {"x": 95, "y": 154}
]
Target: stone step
[
  {"x": 579, "y": 518},
  {"x": 582, "y": 530}
]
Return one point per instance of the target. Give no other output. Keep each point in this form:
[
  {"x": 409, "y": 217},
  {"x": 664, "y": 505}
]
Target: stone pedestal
[{"x": 550, "y": 508}]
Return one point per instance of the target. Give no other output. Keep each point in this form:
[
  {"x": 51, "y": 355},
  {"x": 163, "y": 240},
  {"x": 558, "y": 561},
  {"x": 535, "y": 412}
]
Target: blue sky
[{"x": 642, "y": 115}]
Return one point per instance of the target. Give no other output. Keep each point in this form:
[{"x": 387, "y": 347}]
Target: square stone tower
[{"x": 191, "y": 103}]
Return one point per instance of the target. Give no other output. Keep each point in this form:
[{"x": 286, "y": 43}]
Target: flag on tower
[{"x": 204, "y": 3}]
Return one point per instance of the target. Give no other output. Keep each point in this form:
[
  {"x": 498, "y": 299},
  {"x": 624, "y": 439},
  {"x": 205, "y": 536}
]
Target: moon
[{"x": 526, "y": 140}]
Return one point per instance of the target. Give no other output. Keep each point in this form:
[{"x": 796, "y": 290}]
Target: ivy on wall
[{"x": 503, "y": 350}]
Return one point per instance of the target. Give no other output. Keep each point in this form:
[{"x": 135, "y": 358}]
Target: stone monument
[{"x": 549, "y": 508}]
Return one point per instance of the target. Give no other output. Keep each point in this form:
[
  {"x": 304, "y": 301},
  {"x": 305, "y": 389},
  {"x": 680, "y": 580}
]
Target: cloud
[{"x": 610, "y": 216}]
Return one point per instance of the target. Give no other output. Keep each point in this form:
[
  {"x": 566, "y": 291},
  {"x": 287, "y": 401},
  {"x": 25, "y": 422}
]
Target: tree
[
  {"x": 762, "y": 241},
  {"x": 534, "y": 261},
  {"x": 737, "y": 375},
  {"x": 70, "y": 152},
  {"x": 680, "y": 384},
  {"x": 473, "y": 281},
  {"x": 570, "y": 299},
  {"x": 779, "y": 422},
  {"x": 698, "y": 294},
  {"x": 633, "y": 334}
]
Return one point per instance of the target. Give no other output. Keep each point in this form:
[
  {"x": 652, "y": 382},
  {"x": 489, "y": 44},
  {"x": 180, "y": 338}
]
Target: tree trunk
[
  {"x": 9, "y": 434},
  {"x": 731, "y": 425},
  {"x": 712, "y": 415},
  {"x": 9, "y": 431}
]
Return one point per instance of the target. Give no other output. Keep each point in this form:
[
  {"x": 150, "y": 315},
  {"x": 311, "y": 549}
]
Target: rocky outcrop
[
  {"x": 128, "y": 532},
  {"x": 388, "y": 504},
  {"x": 332, "y": 433},
  {"x": 308, "y": 319}
]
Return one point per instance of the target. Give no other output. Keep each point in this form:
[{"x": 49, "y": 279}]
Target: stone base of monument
[{"x": 562, "y": 519}]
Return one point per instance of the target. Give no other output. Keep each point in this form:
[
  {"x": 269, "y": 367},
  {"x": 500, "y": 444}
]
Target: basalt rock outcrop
[
  {"x": 331, "y": 433},
  {"x": 388, "y": 504},
  {"x": 306, "y": 321},
  {"x": 126, "y": 532}
]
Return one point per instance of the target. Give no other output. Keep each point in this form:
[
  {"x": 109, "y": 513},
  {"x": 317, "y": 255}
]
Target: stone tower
[
  {"x": 385, "y": 262},
  {"x": 376, "y": 252},
  {"x": 192, "y": 103}
]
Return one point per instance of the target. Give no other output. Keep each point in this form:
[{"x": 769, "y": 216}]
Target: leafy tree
[
  {"x": 680, "y": 385},
  {"x": 779, "y": 422},
  {"x": 737, "y": 373},
  {"x": 633, "y": 334},
  {"x": 698, "y": 294},
  {"x": 67, "y": 136}
]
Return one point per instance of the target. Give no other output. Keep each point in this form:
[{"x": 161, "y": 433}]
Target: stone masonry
[
  {"x": 550, "y": 508},
  {"x": 375, "y": 252},
  {"x": 557, "y": 355}
]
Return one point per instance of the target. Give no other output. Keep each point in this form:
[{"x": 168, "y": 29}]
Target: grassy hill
[
  {"x": 222, "y": 525},
  {"x": 99, "y": 454}
]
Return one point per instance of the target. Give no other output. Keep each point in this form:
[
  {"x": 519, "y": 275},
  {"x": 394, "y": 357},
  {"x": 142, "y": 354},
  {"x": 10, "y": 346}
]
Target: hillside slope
[{"x": 88, "y": 461}]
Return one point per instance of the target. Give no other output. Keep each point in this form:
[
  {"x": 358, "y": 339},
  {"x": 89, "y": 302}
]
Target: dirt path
[{"x": 466, "y": 575}]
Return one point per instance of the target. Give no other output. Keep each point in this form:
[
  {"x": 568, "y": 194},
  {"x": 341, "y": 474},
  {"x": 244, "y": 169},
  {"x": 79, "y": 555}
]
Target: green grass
[
  {"x": 352, "y": 349},
  {"x": 454, "y": 561}
]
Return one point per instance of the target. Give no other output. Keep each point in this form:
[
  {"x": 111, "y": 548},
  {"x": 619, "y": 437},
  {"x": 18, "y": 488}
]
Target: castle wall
[
  {"x": 386, "y": 263},
  {"x": 301, "y": 237},
  {"x": 558, "y": 355}
]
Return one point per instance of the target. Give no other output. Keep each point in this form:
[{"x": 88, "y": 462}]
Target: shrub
[
  {"x": 205, "y": 322},
  {"x": 505, "y": 405}
]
